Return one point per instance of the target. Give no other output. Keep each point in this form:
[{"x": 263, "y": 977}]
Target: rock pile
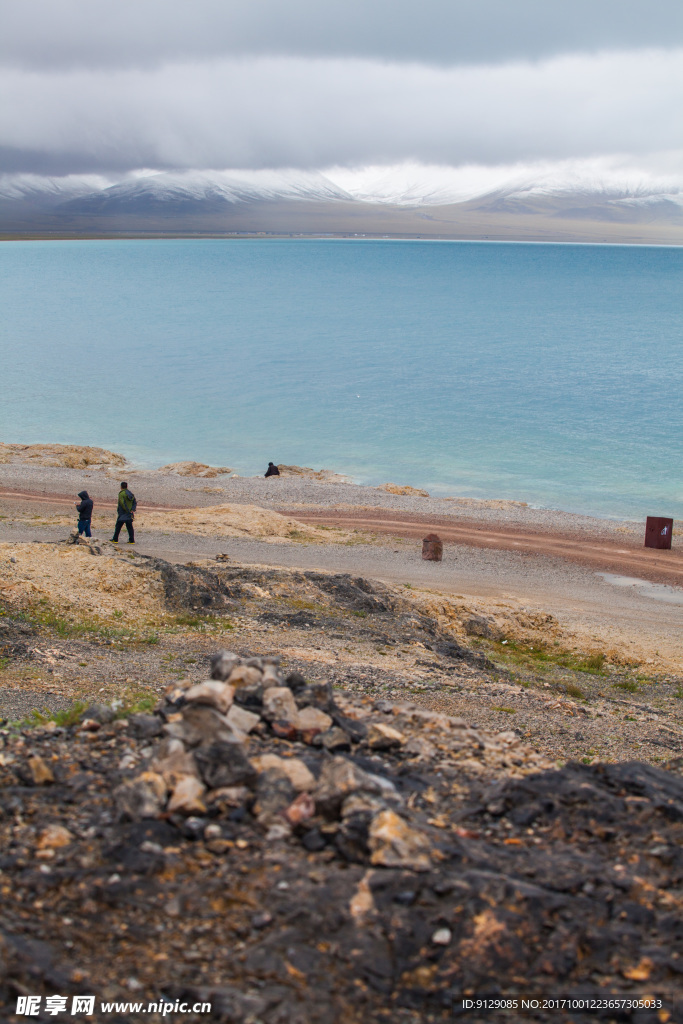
[{"x": 233, "y": 740}]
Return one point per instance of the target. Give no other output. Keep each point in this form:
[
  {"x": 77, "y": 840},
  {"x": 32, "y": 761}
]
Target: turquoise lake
[{"x": 544, "y": 373}]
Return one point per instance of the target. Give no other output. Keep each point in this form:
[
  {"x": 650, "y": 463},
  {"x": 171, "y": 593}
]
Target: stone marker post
[{"x": 432, "y": 548}]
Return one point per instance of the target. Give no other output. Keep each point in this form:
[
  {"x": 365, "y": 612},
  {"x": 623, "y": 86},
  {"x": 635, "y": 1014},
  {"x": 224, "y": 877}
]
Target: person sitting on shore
[
  {"x": 272, "y": 470},
  {"x": 84, "y": 509},
  {"x": 125, "y": 513}
]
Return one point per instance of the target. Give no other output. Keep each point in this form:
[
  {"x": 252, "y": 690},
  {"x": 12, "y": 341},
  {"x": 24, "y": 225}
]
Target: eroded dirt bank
[{"x": 99, "y": 621}]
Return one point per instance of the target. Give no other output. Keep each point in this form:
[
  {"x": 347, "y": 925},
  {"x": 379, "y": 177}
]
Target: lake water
[{"x": 545, "y": 373}]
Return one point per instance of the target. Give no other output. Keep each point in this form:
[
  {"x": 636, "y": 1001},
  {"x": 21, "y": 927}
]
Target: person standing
[
  {"x": 125, "y": 513},
  {"x": 84, "y": 509}
]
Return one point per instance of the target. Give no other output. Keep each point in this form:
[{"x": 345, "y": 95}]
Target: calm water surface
[{"x": 546, "y": 373}]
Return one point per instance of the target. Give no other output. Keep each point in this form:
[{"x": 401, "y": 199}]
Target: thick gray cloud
[
  {"x": 94, "y": 86},
  {"x": 129, "y": 33},
  {"x": 288, "y": 112}
]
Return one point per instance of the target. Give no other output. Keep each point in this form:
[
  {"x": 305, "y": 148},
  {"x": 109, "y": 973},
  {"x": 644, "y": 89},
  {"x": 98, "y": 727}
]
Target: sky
[{"x": 583, "y": 90}]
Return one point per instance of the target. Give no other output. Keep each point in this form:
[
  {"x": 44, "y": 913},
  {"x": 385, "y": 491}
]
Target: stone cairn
[
  {"x": 432, "y": 548},
  {"x": 200, "y": 770}
]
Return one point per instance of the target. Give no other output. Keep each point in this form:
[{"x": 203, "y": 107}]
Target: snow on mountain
[
  {"x": 261, "y": 200},
  {"x": 411, "y": 184},
  {"x": 222, "y": 186},
  {"x": 46, "y": 191}
]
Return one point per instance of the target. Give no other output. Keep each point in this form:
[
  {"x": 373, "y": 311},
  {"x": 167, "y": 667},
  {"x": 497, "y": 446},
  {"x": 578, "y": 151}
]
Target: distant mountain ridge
[{"x": 299, "y": 202}]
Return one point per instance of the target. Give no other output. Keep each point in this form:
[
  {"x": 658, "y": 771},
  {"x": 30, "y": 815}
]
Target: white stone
[
  {"x": 279, "y": 702},
  {"x": 187, "y": 796},
  {"x": 312, "y": 718},
  {"x": 241, "y": 719},
  {"x": 297, "y": 772},
  {"x": 212, "y": 692}
]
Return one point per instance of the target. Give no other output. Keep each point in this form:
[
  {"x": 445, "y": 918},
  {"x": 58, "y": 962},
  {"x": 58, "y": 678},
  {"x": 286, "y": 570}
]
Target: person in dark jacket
[
  {"x": 272, "y": 470},
  {"x": 125, "y": 513},
  {"x": 84, "y": 509}
]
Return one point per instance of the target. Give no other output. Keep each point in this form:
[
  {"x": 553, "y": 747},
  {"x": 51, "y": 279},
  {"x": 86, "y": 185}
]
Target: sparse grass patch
[
  {"x": 65, "y": 718},
  {"x": 679, "y": 693},
  {"x": 539, "y": 657},
  {"x": 594, "y": 664},
  {"x": 628, "y": 685},
  {"x": 573, "y": 691},
  {"x": 4, "y": 663},
  {"x": 508, "y": 711},
  {"x": 201, "y": 623},
  {"x": 42, "y": 615},
  {"x": 137, "y": 705}
]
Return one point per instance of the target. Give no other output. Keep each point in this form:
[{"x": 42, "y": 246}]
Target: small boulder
[
  {"x": 274, "y": 794},
  {"x": 102, "y": 713},
  {"x": 285, "y": 730},
  {"x": 201, "y": 724},
  {"x": 312, "y": 720},
  {"x": 142, "y": 797},
  {"x": 176, "y": 763},
  {"x": 301, "y": 810},
  {"x": 54, "y": 837},
  {"x": 241, "y": 719},
  {"x": 317, "y": 695},
  {"x": 298, "y": 773},
  {"x": 144, "y": 727},
  {"x": 384, "y": 737},
  {"x": 187, "y": 796},
  {"x": 212, "y": 692},
  {"x": 394, "y": 844},
  {"x": 340, "y": 778},
  {"x": 245, "y": 675},
  {"x": 224, "y": 764},
  {"x": 357, "y": 731},
  {"x": 250, "y": 696},
  {"x": 279, "y": 704},
  {"x": 335, "y": 740},
  {"x": 41, "y": 773},
  {"x": 222, "y": 664}
]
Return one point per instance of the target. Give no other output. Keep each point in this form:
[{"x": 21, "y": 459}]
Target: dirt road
[{"x": 621, "y": 558}]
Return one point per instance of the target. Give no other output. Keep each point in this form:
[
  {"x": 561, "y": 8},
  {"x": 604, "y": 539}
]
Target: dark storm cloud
[{"x": 128, "y": 33}]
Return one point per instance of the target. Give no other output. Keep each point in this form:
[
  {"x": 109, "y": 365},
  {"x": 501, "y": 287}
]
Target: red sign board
[{"x": 658, "y": 532}]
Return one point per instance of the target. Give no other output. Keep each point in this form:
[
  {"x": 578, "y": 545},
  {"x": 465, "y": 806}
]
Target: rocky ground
[
  {"x": 386, "y": 800},
  {"x": 283, "y": 852}
]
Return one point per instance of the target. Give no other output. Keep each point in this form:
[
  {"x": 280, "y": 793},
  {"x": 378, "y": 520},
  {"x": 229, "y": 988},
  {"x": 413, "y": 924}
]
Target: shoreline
[
  {"x": 25, "y": 478},
  {"x": 272, "y": 236}
]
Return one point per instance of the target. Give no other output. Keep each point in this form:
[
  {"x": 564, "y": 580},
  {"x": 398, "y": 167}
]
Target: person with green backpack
[{"x": 125, "y": 513}]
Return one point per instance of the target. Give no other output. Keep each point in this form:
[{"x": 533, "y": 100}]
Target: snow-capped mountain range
[{"x": 244, "y": 201}]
